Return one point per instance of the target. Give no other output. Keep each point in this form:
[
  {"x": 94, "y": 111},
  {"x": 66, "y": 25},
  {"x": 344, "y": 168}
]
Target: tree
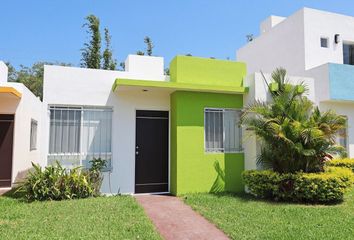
[
  {"x": 108, "y": 62},
  {"x": 91, "y": 53},
  {"x": 141, "y": 53},
  {"x": 12, "y": 74},
  {"x": 294, "y": 135},
  {"x": 149, "y": 45}
]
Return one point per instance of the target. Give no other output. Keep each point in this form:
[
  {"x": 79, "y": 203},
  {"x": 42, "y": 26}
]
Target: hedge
[
  {"x": 346, "y": 163},
  {"x": 327, "y": 187}
]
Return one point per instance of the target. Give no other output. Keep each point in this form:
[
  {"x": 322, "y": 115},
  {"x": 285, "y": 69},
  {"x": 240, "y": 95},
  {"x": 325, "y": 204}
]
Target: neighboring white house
[
  {"x": 21, "y": 128},
  {"x": 314, "y": 44}
]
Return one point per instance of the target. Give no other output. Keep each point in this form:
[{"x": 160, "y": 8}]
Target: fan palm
[{"x": 294, "y": 135}]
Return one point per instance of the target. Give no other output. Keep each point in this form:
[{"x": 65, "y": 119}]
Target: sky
[{"x": 51, "y": 30}]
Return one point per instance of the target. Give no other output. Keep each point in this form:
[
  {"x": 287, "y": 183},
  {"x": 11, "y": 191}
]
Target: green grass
[
  {"x": 243, "y": 217},
  {"x": 94, "y": 218}
]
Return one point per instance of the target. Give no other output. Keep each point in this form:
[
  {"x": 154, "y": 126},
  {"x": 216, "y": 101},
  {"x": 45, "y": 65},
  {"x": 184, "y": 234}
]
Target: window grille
[
  {"x": 222, "y": 130},
  {"x": 80, "y": 134}
]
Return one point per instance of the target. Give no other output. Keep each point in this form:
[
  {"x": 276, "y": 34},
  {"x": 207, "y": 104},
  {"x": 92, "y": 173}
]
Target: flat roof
[{"x": 168, "y": 85}]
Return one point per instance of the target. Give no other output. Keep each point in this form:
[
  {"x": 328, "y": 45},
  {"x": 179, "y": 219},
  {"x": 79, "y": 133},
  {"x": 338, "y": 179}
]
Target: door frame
[
  {"x": 169, "y": 147},
  {"x": 13, "y": 146}
]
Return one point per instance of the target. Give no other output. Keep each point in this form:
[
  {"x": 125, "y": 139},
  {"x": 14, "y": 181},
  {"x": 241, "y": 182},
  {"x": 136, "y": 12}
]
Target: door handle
[{"x": 136, "y": 153}]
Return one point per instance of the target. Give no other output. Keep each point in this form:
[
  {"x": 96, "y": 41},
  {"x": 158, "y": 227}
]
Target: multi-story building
[{"x": 317, "y": 46}]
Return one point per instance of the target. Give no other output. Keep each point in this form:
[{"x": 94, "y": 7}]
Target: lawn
[
  {"x": 95, "y": 218},
  {"x": 243, "y": 217}
]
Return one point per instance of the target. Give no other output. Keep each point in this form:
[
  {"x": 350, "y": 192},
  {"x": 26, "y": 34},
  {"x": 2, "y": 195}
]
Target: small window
[
  {"x": 33, "y": 140},
  {"x": 222, "y": 130},
  {"x": 324, "y": 42}
]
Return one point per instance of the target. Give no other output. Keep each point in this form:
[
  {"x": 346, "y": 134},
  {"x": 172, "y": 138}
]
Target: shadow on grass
[{"x": 14, "y": 194}]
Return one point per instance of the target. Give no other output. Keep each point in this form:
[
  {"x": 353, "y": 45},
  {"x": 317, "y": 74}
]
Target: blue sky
[{"x": 32, "y": 31}]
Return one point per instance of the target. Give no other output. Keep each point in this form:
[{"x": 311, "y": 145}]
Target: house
[
  {"x": 315, "y": 45},
  {"x": 158, "y": 133},
  {"x": 20, "y": 130},
  {"x": 179, "y": 133}
]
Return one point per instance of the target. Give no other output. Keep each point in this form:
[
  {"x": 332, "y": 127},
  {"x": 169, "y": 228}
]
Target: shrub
[
  {"x": 346, "y": 163},
  {"x": 294, "y": 135},
  {"x": 57, "y": 183},
  {"x": 325, "y": 187},
  {"x": 95, "y": 173}
]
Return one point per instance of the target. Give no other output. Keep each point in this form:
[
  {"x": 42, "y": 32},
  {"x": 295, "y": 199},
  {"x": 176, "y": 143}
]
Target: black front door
[
  {"x": 151, "y": 155},
  {"x": 6, "y": 143}
]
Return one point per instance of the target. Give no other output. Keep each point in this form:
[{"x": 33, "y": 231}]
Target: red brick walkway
[{"x": 175, "y": 220}]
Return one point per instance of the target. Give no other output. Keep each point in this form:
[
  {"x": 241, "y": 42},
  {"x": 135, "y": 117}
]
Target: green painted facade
[
  {"x": 206, "y": 71},
  {"x": 195, "y": 84},
  {"x": 192, "y": 169}
]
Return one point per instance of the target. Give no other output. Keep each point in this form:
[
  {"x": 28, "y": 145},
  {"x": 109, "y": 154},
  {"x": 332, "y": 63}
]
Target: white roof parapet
[
  {"x": 270, "y": 22},
  {"x": 3, "y": 72}
]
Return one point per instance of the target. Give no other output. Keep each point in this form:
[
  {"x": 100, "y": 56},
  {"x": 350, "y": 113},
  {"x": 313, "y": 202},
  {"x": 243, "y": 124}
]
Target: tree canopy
[{"x": 91, "y": 56}]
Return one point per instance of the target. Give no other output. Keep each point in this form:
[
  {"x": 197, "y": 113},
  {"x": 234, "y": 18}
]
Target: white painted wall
[
  {"x": 319, "y": 24},
  {"x": 345, "y": 109},
  {"x": 258, "y": 90},
  {"x": 3, "y": 72},
  {"x": 270, "y": 22},
  {"x": 27, "y": 108},
  {"x": 280, "y": 46},
  {"x": 147, "y": 67},
  {"x": 294, "y": 42},
  {"x": 90, "y": 87},
  {"x": 320, "y": 75}
]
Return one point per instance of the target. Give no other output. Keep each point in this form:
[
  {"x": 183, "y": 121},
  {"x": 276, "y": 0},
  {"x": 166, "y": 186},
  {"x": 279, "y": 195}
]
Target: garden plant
[{"x": 297, "y": 140}]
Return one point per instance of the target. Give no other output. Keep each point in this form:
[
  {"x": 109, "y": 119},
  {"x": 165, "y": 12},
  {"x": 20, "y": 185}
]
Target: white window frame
[
  {"x": 82, "y": 154},
  {"x": 241, "y": 150},
  {"x": 33, "y": 135}
]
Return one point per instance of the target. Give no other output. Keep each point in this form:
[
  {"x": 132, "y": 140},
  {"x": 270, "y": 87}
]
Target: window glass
[
  {"x": 222, "y": 131},
  {"x": 348, "y": 54},
  {"x": 324, "y": 42},
  {"x": 80, "y": 134},
  {"x": 33, "y": 135}
]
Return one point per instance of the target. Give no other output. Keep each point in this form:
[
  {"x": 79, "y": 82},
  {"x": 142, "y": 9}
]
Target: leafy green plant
[
  {"x": 95, "y": 173},
  {"x": 58, "y": 183},
  {"x": 294, "y": 135},
  {"x": 345, "y": 163},
  {"x": 325, "y": 187}
]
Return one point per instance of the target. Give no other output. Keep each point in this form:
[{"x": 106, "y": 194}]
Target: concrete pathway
[{"x": 176, "y": 220}]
